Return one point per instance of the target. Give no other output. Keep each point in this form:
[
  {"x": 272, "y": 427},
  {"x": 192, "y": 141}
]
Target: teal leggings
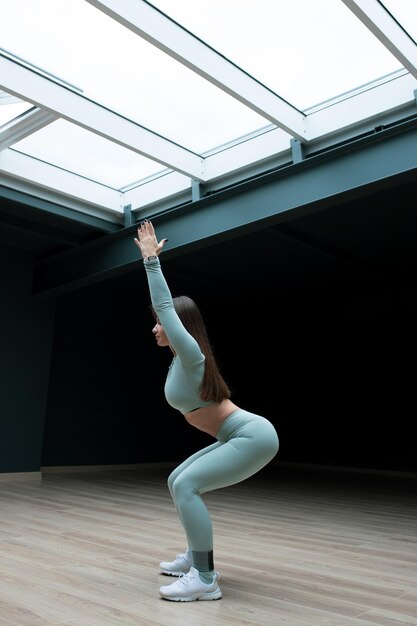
[{"x": 245, "y": 444}]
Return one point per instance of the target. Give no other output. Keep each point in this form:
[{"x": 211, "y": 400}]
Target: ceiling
[{"x": 152, "y": 108}]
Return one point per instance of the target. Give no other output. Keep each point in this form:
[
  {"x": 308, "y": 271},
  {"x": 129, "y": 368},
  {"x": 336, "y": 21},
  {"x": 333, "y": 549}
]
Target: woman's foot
[
  {"x": 181, "y": 565},
  {"x": 190, "y": 587}
]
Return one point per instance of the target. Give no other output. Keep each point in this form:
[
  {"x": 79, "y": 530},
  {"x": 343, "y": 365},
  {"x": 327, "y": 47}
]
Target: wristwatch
[{"x": 151, "y": 258}]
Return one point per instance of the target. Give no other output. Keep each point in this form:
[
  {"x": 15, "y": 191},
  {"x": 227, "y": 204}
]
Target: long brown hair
[{"x": 213, "y": 387}]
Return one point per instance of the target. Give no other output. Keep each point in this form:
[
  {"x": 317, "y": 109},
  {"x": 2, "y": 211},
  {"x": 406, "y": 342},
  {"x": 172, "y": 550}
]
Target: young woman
[{"x": 245, "y": 442}]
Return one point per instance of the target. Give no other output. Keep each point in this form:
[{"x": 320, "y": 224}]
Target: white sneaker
[
  {"x": 190, "y": 587},
  {"x": 181, "y": 565}
]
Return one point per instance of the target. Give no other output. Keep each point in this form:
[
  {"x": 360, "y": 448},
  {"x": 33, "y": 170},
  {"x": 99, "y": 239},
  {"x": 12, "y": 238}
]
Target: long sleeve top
[{"x": 187, "y": 368}]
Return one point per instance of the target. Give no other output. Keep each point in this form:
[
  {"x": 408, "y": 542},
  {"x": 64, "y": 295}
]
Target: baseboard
[
  {"x": 65, "y": 469},
  {"x": 5, "y": 476},
  {"x": 346, "y": 469}
]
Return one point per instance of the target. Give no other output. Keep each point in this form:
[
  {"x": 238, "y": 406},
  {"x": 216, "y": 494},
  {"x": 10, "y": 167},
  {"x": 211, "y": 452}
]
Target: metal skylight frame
[
  {"x": 390, "y": 95},
  {"x": 381, "y": 23},
  {"x": 24, "y": 125}
]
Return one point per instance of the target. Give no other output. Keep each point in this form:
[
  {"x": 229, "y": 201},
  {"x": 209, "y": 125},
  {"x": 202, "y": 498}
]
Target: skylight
[{"x": 112, "y": 102}]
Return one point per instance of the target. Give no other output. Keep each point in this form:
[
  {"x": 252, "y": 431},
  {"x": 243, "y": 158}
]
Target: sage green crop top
[{"x": 187, "y": 368}]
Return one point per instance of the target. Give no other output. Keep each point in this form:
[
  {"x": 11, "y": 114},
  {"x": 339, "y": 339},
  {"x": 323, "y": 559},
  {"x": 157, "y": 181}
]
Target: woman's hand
[{"x": 147, "y": 242}]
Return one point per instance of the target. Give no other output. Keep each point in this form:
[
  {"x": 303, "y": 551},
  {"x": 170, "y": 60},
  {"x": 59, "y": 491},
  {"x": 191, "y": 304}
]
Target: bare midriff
[{"x": 210, "y": 418}]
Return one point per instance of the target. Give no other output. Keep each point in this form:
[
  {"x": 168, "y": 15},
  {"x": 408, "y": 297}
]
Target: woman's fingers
[{"x": 146, "y": 228}]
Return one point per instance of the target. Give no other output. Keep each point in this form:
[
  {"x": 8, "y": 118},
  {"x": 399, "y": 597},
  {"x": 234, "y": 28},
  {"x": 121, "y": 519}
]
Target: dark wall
[
  {"x": 337, "y": 381},
  {"x": 26, "y": 329},
  {"x": 106, "y": 403},
  {"x": 334, "y": 380}
]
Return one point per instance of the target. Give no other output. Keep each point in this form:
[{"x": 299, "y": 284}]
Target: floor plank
[{"x": 293, "y": 547}]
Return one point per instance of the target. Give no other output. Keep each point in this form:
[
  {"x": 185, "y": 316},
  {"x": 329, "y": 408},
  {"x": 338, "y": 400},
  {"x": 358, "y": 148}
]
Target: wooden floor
[{"x": 293, "y": 548}]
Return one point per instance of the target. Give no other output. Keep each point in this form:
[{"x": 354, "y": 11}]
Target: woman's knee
[
  {"x": 181, "y": 487},
  {"x": 171, "y": 480}
]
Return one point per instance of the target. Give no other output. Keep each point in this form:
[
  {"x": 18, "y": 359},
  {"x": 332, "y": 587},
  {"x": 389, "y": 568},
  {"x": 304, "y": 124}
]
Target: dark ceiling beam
[
  {"x": 327, "y": 250},
  {"x": 59, "y": 236},
  {"x": 322, "y": 181},
  {"x": 14, "y": 202}
]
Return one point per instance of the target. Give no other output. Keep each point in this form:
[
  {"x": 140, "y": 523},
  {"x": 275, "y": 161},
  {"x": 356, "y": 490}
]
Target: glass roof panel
[
  {"x": 405, "y": 12},
  {"x": 11, "y": 107},
  {"x": 72, "y": 148},
  {"x": 115, "y": 67},
  {"x": 305, "y": 51}
]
